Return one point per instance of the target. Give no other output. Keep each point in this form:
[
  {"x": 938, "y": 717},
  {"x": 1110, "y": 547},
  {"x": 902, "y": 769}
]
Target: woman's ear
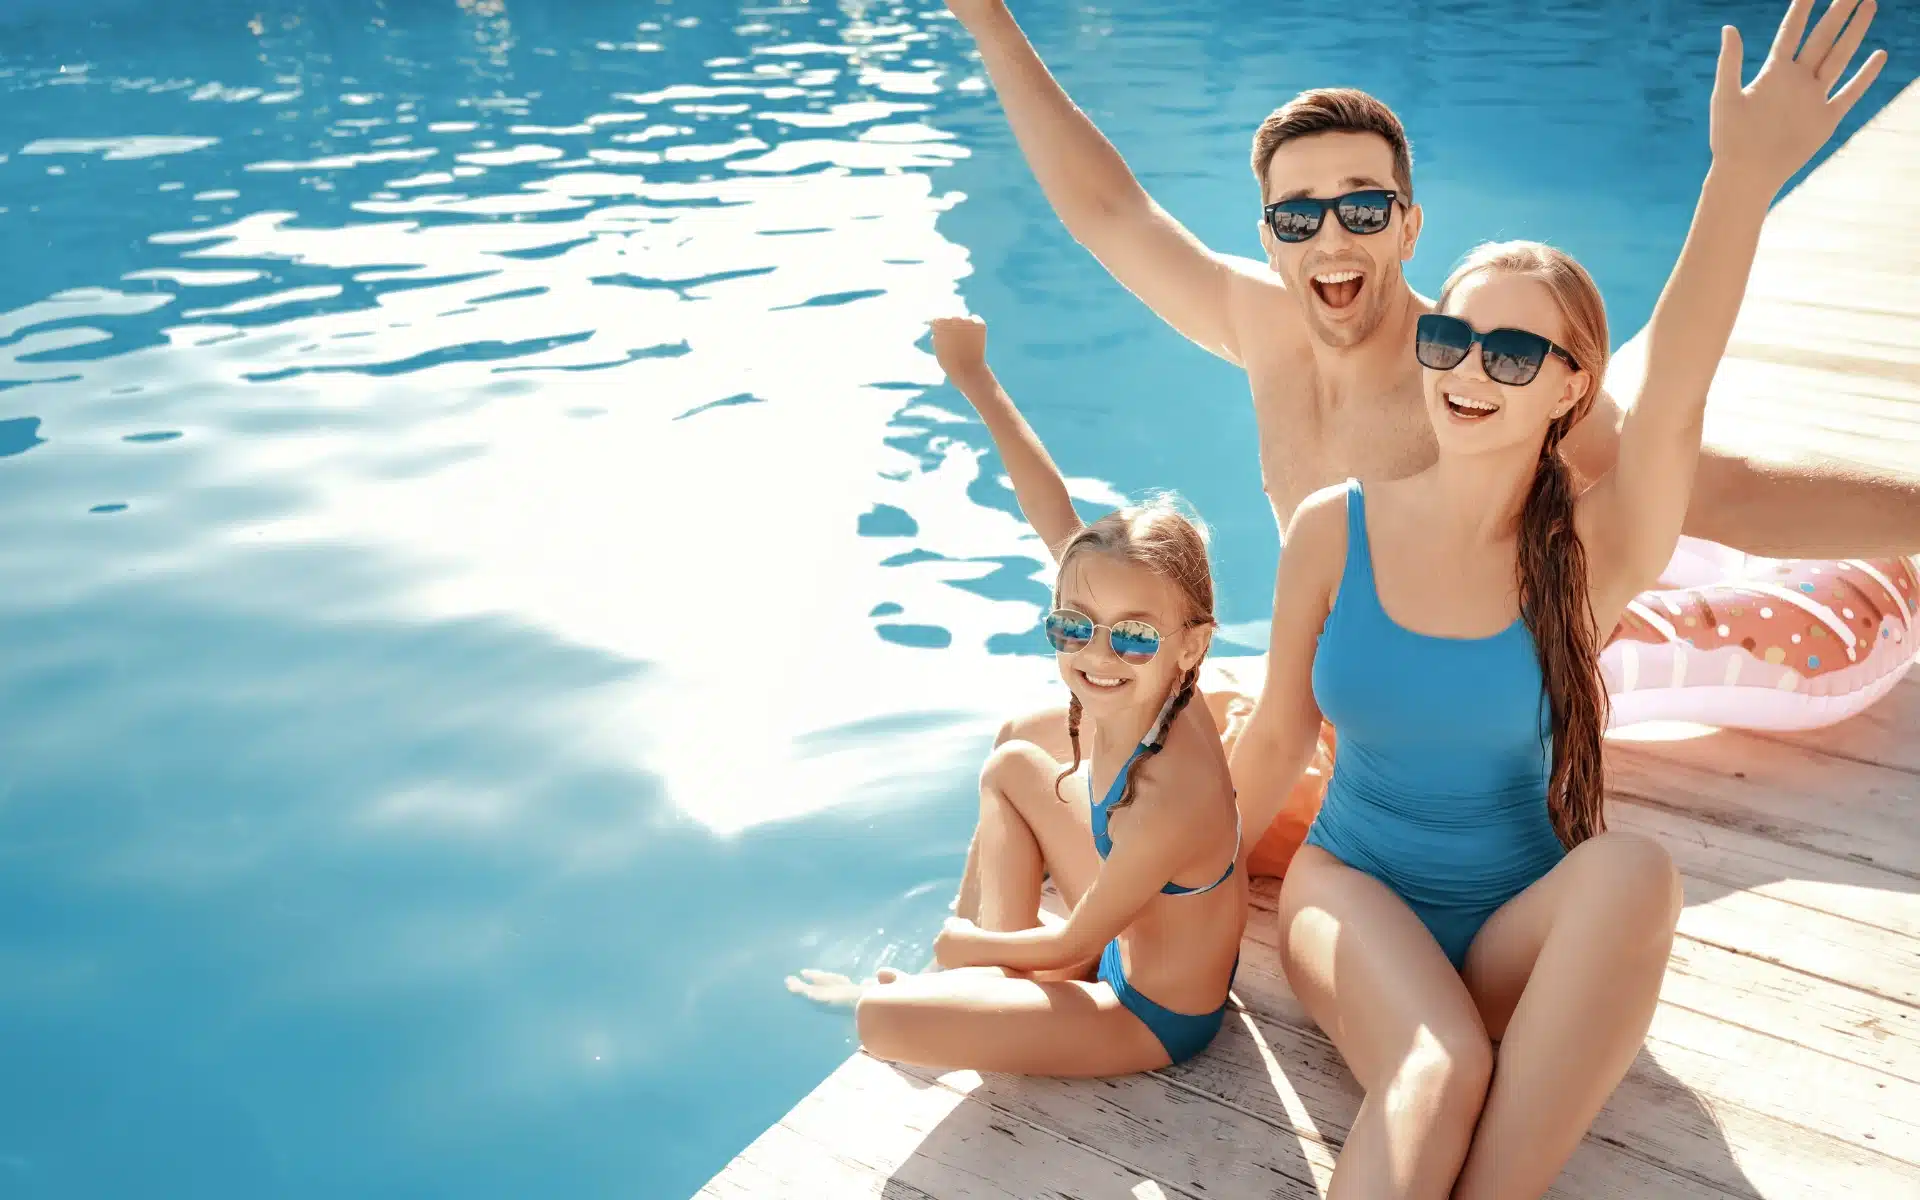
[{"x": 1578, "y": 385}]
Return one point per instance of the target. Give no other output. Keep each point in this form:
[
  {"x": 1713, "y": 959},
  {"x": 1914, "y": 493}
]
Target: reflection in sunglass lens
[
  {"x": 1441, "y": 342},
  {"x": 1513, "y": 356},
  {"x": 1135, "y": 642},
  {"x": 1295, "y": 220},
  {"x": 1069, "y": 631},
  {"x": 1365, "y": 212}
]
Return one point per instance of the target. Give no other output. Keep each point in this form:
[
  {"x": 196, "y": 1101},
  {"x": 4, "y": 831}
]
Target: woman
[
  {"x": 1141, "y": 837},
  {"x": 1459, "y": 890}
]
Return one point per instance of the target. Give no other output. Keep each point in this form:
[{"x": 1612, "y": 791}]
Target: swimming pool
[{"x": 487, "y": 582}]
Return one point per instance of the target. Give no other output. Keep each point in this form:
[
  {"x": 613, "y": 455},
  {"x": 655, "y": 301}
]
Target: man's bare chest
[{"x": 1308, "y": 442}]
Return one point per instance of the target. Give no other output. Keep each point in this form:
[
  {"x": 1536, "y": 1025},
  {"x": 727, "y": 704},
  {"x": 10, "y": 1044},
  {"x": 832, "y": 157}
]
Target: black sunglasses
[
  {"x": 1298, "y": 219},
  {"x": 1509, "y": 356}
]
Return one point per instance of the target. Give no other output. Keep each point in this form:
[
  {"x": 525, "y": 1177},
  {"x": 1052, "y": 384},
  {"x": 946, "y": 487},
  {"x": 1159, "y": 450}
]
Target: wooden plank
[
  {"x": 1780, "y": 791},
  {"x": 1853, "y": 1026},
  {"x": 1738, "y": 899},
  {"x": 1712, "y": 1145},
  {"x": 1817, "y": 1014},
  {"x": 1784, "y": 1059},
  {"x": 1887, "y": 733},
  {"x": 1177, "y": 1136},
  {"x": 1655, "y": 1116},
  {"x": 1824, "y": 360},
  {"x": 1277, "y": 1131},
  {"x": 780, "y": 1163},
  {"x": 874, "y": 1130},
  {"x": 1655, "y": 1138},
  {"x": 1732, "y": 858},
  {"x": 1803, "y": 939},
  {"x": 1724, "y": 1063}
]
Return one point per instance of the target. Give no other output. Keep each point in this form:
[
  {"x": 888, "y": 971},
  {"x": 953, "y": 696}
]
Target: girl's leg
[
  {"x": 981, "y": 1019},
  {"x": 1373, "y": 978},
  {"x": 1042, "y": 729},
  {"x": 1047, "y": 729},
  {"x": 1566, "y": 975},
  {"x": 1028, "y": 832}
]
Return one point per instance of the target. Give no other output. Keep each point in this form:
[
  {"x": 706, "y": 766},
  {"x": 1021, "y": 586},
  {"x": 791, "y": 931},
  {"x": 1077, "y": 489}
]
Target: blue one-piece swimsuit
[
  {"x": 1439, "y": 789},
  {"x": 1182, "y": 1034}
]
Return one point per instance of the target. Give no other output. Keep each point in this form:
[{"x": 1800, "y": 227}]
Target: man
[{"x": 1323, "y": 327}]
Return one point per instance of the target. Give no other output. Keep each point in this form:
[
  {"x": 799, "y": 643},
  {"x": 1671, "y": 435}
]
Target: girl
[
  {"x": 1141, "y": 836},
  {"x": 1459, "y": 888}
]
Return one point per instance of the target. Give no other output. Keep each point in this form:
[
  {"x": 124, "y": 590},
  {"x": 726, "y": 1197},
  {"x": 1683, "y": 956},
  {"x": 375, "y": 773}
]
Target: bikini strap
[{"x": 1157, "y": 732}]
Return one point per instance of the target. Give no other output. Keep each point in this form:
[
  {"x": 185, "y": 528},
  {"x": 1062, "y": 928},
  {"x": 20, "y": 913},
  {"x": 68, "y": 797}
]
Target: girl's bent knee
[{"x": 1017, "y": 767}]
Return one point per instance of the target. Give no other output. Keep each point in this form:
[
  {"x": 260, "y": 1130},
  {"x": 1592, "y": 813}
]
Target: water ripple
[{"x": 490, "y": 575}]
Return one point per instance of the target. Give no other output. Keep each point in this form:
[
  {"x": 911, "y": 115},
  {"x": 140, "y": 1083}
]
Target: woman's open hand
[{"x": 1770, "y": 128}]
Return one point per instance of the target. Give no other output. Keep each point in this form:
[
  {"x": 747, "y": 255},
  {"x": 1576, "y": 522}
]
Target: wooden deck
[{"x": 1784, "y": 1060}]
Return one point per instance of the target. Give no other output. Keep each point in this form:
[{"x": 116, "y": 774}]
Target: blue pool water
[{"x": 488, "y": 583}]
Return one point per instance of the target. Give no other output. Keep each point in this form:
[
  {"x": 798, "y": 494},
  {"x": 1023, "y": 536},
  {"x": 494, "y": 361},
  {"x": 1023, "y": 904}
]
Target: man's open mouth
[{"x": 1338, "y": 289}]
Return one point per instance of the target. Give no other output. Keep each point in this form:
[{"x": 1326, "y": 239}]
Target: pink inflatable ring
[{"x": 1774, "y": 646}]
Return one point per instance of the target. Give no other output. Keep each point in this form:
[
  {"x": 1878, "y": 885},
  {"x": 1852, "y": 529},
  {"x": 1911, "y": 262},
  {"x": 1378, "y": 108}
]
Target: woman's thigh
[
  {"x": 1629, "y": 876},
  {"x": 1371, "y": 975}
]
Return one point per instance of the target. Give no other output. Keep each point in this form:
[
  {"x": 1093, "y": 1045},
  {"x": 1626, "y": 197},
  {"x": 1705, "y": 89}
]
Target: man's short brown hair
[{"x": 1333, "y": 110}]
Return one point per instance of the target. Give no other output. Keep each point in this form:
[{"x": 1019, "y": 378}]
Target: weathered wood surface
[{"x": 1784, "y": 1059}]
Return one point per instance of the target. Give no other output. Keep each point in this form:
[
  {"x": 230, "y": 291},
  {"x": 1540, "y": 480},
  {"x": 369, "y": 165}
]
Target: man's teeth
[
  {"x": 1471, "y": 405},
  {"x": 1337, "y": 277}
]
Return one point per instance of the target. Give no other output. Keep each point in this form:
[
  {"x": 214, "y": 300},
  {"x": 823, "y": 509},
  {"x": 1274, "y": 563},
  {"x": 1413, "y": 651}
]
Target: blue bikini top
[{"x": 1103, "y": 842}]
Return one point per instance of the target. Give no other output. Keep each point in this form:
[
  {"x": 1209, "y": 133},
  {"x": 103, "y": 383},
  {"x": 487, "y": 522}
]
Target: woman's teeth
[
  {"x": 1102, "y": 681},
  {"x": 1465, "y": 406}
]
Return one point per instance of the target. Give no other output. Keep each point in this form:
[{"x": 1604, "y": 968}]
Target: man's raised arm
[
  {"x": 1801, "y": 507},
  {"x": 1098, "y": 199}
]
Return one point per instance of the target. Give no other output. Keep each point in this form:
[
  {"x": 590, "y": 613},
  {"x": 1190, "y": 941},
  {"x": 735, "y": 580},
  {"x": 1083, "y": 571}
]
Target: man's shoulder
[
  {"x": 1258, "y": 298},
  {"x": 1272, "y": 331}
]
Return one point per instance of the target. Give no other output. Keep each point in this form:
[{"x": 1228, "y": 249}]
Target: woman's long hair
[{"x": 1552, "y": 564}]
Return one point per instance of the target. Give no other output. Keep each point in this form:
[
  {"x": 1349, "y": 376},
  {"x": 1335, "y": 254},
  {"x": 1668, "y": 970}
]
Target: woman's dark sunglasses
[
  {"x": 1299, "y": 219},
  {"x": 1134, "y": 642},
  {"x": 1509, "y": 356}
]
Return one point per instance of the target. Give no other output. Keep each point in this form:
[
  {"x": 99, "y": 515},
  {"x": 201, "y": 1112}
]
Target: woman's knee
[
  {"x": 1633, "y": 876},
  {"x": 1445, "y": 1074}
]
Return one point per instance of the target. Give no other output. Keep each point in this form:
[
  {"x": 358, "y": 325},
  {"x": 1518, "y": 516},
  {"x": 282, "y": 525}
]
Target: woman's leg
[
  {"x": 1566, "y": 975},
  {"x": 1373, "y": 978},
  {"x": 983, "y": 1020}
]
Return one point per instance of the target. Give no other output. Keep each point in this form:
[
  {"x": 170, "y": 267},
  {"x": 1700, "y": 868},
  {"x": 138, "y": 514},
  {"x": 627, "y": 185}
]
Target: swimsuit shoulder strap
[
  {"x": 1359, "y": 565},
  {"x": 1359, "y": 597}
]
